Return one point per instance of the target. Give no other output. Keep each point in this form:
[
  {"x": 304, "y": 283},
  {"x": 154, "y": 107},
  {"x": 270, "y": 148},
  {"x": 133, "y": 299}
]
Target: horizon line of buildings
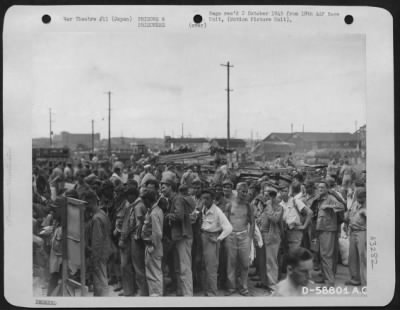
[{"x": 275, "y": 142}]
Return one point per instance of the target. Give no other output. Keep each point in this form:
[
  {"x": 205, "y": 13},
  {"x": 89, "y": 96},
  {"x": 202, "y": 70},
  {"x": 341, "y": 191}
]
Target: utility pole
[
  {"x": 51, "y": 132},
  {"x": 228, "y": 90},
  {"x": 182, "y": 130},
  {"x": 358, "y": 142},
  {"x": 93, "y": 136},
  {"x": 109, "y": 124},
  {"x": 291, "y": 128}
]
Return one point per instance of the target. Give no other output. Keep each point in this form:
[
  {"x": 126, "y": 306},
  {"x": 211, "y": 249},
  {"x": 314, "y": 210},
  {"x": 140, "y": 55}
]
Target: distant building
[
  {"x": 75, "y": 141},
  {"x": 307, "y": 141},
  {"x": 361, "y": 137},
  {"x": 40, "y": 142},
  {"x": 268, "y": 150},
  {"x": 128, "y": 142},
  {"x": 278, "y": 137},
  {"x": 196, "y": 144},
  {"x": 237, "y": 144}
]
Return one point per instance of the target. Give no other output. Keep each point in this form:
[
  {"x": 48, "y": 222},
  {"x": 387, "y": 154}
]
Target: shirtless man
[{"x": 241, "y": 217}]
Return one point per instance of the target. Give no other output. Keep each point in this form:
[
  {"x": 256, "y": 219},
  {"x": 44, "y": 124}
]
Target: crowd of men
[{"x": 153, "y": 231}]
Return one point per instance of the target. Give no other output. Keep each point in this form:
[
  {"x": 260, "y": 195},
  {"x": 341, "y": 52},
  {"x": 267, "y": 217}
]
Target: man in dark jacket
[
  {"x": 135, "y": 223},
  {"x": 101, "y": 248},
  {"x": 326, "y": 226},
  {"x": 127, "y": 272},
  {"x": 181, "y": 234},
  {"x": 152, "y": 236}
]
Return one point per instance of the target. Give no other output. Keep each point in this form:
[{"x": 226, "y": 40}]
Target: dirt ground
[{"x": 313, "y": 289}]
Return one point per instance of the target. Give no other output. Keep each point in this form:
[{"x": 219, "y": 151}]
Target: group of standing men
[{"x": 163, "y": 234}]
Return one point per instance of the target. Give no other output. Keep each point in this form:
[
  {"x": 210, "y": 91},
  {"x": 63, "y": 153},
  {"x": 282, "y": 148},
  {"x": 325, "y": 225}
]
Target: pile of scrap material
[
  {"x": 255, "y": 174},
  {"x": 186, "y": 158},
  {"x": 317, "y": 171}
]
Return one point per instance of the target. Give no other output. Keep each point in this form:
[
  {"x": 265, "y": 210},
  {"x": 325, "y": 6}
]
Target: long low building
[
  {"x": 307, "y": 141},
  {"x": 268, "y": 150}
]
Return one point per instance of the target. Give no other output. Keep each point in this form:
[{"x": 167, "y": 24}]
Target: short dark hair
[
  {"x": 309, "y": 184},
  {"x": 272, "y": 194},
  {"x": 131, "y": 190},
  {"x": 297, "y": 255},
  {"x": 150, "y": 196},
  {"x": 132, "y": 183},
  {"x": 209, "y": 191},
  {"x": 152, "y": 182}
]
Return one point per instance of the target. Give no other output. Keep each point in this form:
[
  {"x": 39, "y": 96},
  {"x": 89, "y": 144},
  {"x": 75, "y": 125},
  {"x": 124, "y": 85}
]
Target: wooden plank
[
  {"x": 83, "y": 245},
  {"x": 65, "y": 249}
]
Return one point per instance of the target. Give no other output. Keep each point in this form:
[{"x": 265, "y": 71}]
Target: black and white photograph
[{"x": 203, "y": 152}]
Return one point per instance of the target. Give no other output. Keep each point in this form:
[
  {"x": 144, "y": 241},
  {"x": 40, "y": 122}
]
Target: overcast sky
[{"x": 160, "y": 81}]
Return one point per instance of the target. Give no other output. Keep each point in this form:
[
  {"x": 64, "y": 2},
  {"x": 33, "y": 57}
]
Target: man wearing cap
[
  {"x": 241, "y": 217},
  {"x": 179, "y": 221},
  {"x": 215, "y": 227},
  {"x": 100, "y": 244},
  {"x": 127, "y": 271},
  {"x": 196, "y": 188},
  {"x": 152, "y": 234},
  {"x": 356, "y": 218},
  {"x": 152, "y": 185},
  {"x": 326, "y": 227},
  {"x": 136, "y": 220},
  {"x": 271, "y": 231}
]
